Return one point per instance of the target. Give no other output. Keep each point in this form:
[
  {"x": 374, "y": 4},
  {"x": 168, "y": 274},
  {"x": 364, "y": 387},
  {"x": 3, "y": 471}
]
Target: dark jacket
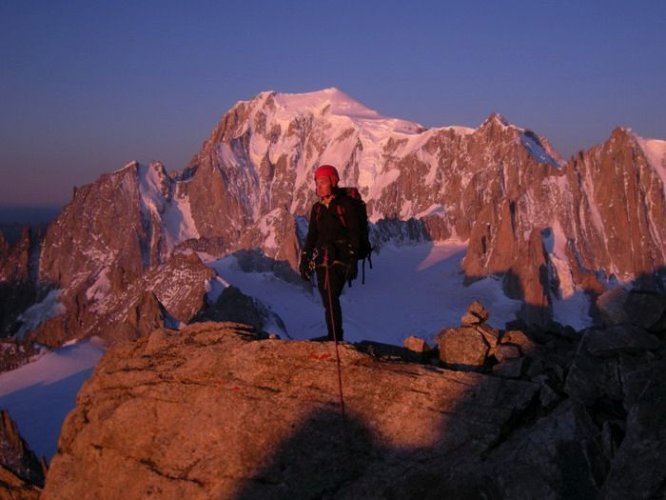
[{"x": 333, "y": 231}]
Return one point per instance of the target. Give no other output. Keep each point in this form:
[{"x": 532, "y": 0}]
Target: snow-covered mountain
[{"x": 551, "y": 229}]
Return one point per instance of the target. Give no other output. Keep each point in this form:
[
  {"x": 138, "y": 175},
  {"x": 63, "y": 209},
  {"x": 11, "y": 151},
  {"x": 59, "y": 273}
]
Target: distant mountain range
[
  {"x": 38, "y": 214},
  {"x": 549, "y": 228}
]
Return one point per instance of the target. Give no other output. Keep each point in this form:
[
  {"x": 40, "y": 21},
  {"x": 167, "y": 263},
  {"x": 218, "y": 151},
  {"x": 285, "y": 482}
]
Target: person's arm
[
  {"x": 313, "y": 235},
  {"x": 309, "y": 246}
]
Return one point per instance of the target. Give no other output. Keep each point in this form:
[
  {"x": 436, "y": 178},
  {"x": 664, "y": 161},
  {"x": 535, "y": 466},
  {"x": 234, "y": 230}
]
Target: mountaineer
[{"x": 332, "y": 245}]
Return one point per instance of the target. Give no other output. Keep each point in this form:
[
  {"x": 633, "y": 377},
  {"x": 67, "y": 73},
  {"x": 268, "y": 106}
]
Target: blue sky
[{"x": 87, "y": 86}]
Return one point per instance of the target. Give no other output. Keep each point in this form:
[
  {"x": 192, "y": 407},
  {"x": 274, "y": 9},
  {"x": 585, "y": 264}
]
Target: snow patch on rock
[{"x": 655, "y": 150}]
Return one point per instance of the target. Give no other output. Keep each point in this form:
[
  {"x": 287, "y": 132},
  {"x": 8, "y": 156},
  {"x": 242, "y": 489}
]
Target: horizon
[
  {"x": 22, "y": 215},
  {"x": 88, "y": 88}
]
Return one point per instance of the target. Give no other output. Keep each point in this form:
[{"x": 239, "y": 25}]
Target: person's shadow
[
  {"x": 330, "y": 456},
  {"x": 323, "y": 455}
]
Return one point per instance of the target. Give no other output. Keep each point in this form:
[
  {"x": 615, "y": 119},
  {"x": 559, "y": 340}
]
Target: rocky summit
[{"x": 218, "y": 410}]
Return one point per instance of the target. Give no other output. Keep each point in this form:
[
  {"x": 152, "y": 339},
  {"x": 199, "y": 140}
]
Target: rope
[{"x": 327, "y": 286}]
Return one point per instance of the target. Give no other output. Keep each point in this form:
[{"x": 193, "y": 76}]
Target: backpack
[{"x": 365, "y": 248}]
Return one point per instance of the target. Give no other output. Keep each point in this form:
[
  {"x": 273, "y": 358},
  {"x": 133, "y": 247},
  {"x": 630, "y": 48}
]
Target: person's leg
[{"x": 330, "y": 288}]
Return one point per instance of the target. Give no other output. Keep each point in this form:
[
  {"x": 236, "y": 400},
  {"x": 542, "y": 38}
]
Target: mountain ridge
[{"x": 549, "y": 228}]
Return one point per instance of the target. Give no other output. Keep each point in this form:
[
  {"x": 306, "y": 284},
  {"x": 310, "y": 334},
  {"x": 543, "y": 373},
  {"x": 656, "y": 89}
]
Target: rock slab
[{"x": 217, "y": 411}]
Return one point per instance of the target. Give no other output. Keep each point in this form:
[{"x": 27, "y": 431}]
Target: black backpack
[{"x": 365, "y": 248}]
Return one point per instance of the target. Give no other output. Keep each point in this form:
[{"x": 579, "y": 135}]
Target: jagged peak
[
  {"x": 622, "y": 132},
  {"x": 496, "y": 118},
  {"x": 622, "y": 137},
  {"x": 653, "y": 150},
  {"x": 627, "y": 136},
  {"x": 538, "y": 147},
  {"x": 497, "y": 123},
  {"x": 131, "y": 165}
]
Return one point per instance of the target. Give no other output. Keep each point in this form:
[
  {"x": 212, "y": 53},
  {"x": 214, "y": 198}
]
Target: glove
[{"x": 304, "y": 267}]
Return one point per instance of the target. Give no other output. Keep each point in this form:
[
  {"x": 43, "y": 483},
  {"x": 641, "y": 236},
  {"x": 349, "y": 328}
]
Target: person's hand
[
  {"x": 305, "y": 274},
  {"x": 304, "y": 267}
]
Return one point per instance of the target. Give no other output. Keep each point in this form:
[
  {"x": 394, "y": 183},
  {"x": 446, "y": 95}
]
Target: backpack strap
[
  {"x": 363, "y": 272},
  {"x": 369, "y": 259},
  {"x": 341, "y": 215},
  {"x": 352, "y": 192}
]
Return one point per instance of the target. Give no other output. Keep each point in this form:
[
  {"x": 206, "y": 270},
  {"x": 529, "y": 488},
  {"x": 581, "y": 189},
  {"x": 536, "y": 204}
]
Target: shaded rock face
[
  {"x": 15, "y": 259},
  {"x": 15, "y": 298},
  {"x": 591, "y": 434},
  {"x": 255, "y": 261},
  {"x": 643, "y": 308},
  {"x": 234, "y": 306},
  {"x": 13, "y": 487},
  {"x": 617, "y": 374},
  {"x": 20, "y": 469},
  {"x": 219, "y": 411},
  {"x": 18, "y": 270}
]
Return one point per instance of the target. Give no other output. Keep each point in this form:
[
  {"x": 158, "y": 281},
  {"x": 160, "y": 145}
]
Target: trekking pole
[{"x": 327, "y": 285}]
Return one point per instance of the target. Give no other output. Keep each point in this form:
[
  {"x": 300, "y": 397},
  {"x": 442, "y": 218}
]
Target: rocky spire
[{"x": 18, "y": 460}]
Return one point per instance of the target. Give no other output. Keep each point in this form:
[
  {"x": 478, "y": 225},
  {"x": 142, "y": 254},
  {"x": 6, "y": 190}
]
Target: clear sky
[{"x": 87, "y": 86}]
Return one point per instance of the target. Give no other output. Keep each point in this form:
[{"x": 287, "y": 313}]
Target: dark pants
[{"x": 330, "y": 288}]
